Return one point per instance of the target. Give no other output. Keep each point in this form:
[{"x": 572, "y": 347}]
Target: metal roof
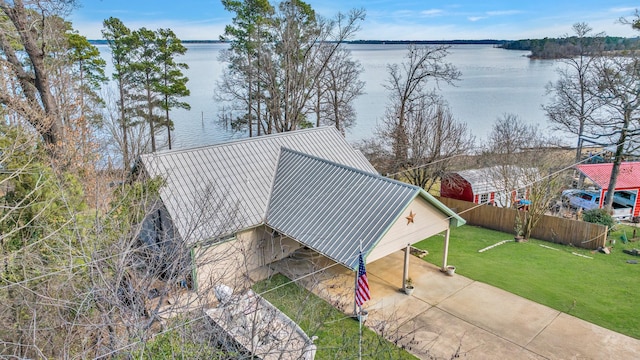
[
  {"x": 492, "y": 179},
  {"x": 215, "y": 190},
  {"x": 335, "y": 209},
  {"x": 600, "y": 174}
]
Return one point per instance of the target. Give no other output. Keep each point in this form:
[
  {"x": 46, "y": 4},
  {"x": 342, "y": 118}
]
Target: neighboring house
[
  {"x": 626, "y": 201},
  {"x": 242, "y": 205},
  {"x": 496, "y": 185}
]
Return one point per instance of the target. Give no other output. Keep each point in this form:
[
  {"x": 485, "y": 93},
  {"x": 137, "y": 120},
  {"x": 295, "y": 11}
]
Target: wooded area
[{"x": 562, "y": 48}]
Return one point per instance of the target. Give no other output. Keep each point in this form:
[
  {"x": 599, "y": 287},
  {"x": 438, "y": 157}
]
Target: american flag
[{"x": 362, "y": 287}]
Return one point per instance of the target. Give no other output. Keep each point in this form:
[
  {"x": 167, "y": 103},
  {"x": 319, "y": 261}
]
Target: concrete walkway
[{"x": 448, "y": 315}]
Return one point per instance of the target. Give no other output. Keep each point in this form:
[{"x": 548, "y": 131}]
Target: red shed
[
  {"x": 484, "y": 186},
  {"x": 627, "y": 185}
]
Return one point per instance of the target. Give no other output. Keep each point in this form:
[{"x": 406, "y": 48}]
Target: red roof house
[{"x": 628, "y": 180}]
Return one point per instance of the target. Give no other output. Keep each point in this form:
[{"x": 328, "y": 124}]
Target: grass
[
  {"x": 603, "y": 290},
  {"x": 337, "y": 334}
]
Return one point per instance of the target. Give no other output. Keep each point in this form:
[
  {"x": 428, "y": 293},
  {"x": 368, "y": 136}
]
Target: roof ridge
[
  {"x": 346, "y": 167},
  {"x": 232, "y": 142},
  {"x": 611, "y": 164}
]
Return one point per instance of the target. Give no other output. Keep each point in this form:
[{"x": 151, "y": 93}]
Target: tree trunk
[
  {"x": 617, "y": 160},
  {"x": 152, "y": 129},
  {"x": 50, "y": 127},
  {"x": 124, "y": 128},
  {"x": 168, "y": 123}
]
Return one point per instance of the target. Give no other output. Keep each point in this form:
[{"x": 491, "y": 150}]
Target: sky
[{"x": 385, "y": 19}]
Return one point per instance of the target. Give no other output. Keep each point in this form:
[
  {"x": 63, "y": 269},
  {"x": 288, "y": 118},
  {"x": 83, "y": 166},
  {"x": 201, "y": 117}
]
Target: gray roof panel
[
  {"x": 496, "y": 178},
  {"x": 214, "y": 190},
  {"x": 332, "y": 208}
]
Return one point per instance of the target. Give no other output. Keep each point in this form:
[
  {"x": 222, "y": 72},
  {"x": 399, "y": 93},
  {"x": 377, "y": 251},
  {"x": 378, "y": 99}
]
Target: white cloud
[
  {"x": 432, "y": 12},
  {"x": 404, "y": 13},
  {"x": 503, "y": 12},
  {"x": 475, "y": 18},
  {"x": 623, "y": 10}
]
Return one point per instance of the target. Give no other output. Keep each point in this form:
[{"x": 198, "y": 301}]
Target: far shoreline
[{"x": 363, "y": 42}]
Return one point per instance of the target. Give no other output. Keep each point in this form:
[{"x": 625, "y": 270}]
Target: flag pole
[
  {"x": 355, "y": 291},
  {"x": 362, "y": 295},
  {"x": 360, "y": 310},
  {"x": 360, "y": 334}
]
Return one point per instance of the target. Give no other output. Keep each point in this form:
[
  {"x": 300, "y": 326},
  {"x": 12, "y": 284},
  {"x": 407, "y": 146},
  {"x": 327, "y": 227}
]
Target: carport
[{"x": 341, "y": 212}]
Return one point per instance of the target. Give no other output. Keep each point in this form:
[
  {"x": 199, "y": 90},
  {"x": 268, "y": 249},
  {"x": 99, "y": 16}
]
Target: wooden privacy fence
[{"x": 549, "y": 228}]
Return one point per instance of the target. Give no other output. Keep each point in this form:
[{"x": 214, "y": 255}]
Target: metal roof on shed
[
  {"x": 600, "y": 174},
  {"x": 491, "y": 179},
  {"x": 214, "y": 190},
  {"x": 335, "y": 209}
]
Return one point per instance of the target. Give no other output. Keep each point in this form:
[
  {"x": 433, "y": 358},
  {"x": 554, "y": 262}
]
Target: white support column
[
  {"x": 445, "y": 252},
  {"x": 405, "y": 273}
]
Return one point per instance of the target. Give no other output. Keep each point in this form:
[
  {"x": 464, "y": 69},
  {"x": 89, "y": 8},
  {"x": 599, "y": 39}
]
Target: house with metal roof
[
  {"x": 495, "y": 185},
  {"x": 244, "y": 204},
  {"x": 626, "y": 200}
]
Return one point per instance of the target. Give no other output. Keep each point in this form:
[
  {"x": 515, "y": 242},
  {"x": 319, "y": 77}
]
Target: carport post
[
  {"x": 405, "y": 273},
  {"x": 446, "y": 249}
]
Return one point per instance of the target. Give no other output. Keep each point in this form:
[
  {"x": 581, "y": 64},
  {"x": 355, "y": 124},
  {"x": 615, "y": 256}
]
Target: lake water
[{"x": 493, "y": 82}]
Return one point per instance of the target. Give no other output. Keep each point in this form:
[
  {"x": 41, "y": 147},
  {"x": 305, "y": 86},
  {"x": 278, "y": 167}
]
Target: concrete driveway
[{"x": 455, "y": 315}]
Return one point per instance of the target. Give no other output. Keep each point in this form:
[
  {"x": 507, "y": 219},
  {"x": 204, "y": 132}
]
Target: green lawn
[
  {"x": 603, "y": 290},
  {"x": 337, "y": 334}
]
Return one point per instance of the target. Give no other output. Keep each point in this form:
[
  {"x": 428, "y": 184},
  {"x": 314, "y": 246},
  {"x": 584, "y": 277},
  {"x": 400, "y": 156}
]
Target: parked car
[
  {"x": 626, "y": 198},
  {"x": 584, "y": 199},
  {"x": 589, "y": 199}
]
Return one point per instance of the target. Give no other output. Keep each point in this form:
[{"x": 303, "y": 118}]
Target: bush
[{"x": 598, "y": 216}]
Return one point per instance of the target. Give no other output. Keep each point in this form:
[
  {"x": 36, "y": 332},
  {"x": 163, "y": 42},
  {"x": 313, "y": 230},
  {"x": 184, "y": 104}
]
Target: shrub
[{"x": 598, "y": 216}]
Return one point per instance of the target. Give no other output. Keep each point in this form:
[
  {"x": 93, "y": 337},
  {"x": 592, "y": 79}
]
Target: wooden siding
[
  {"x": 550, "y": 228},
  {"x": 427, "y": 222}
]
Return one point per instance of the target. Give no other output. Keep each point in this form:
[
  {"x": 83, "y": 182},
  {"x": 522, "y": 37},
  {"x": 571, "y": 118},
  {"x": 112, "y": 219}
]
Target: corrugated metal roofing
[
  {"x": 600, "y": 174},
  {"x": 491, "y": 179},
  {"x": 215, "y": 190},
  {"x": 335, "y": 209}
]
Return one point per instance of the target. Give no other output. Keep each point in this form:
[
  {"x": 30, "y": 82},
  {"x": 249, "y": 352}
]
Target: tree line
[{"x": 565, "y": 47}]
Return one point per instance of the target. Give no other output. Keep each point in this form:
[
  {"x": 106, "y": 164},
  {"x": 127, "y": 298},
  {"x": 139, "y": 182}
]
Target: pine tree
[
  {"x": 172, "y": 84},
  {"x": 121, "y": 42}
]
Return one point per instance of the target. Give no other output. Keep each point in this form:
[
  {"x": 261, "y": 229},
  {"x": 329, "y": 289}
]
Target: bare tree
[
  {"x": 434, "y": 141},
  {"x": 510, "y": 136},
  {"x": 115, "y": 138},
  {"x": 337, "y": 90},
  {"x": 407, "y": 86},
  {"x": 574, "y": 101},
  {"x": 543, "y": 188},
  {"x": 618, "y": 88},
  {"x": 527, "y": 169},
  {"x": 286, "y": 54}
]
